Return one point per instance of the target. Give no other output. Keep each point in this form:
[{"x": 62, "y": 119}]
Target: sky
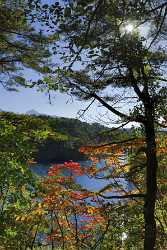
[
  {"x": 62, "y": 104},
  {"x": 27, "y": 99}
]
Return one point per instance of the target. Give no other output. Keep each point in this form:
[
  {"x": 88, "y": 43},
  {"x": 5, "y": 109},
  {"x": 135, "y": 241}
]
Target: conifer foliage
[{"x": 118, "y": 46}]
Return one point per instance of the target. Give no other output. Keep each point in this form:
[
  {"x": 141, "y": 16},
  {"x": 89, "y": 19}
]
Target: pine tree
[
  {"x": 22, "y": 45},
  {"x": 118, "y": 64}
]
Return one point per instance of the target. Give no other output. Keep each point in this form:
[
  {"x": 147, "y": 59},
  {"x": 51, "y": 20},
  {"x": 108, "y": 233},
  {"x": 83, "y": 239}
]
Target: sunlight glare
[{"x": 129, "y": 27}]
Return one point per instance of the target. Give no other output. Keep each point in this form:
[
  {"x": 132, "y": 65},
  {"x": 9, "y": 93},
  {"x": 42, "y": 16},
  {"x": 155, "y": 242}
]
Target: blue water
[
  {"x": 87, "y": 182},
  {"x": 40, "y": 169},
  {"x": 90, "y": 183}
]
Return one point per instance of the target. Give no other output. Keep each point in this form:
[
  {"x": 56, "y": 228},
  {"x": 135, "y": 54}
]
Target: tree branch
[
  {"x": 135, "y": 86},
  {"x": 86, "y": 33},
  {"x": 81, "y": 112},
  {"x": 139, "y": 119},
  {"x": 122, "y": 196},
  {"x": 159, "y": 29},
  {"x": 115, "y": 142}
]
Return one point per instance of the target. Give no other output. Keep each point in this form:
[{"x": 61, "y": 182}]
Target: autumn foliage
[
  {"x": 70, "y": 211},
  {"x": 77, "y": 218}
]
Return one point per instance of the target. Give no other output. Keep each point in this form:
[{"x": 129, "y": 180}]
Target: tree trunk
[{"x": 151, "y": 180}]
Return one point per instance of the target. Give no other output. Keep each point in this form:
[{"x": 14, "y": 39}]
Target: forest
[
  {"x": 68, "y": 135},
  {"x": 107, "y": 53}
]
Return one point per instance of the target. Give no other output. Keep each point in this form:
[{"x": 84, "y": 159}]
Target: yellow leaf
[
  {"x": 18, "y": 218},
  {"x": 23, "y": 218}
]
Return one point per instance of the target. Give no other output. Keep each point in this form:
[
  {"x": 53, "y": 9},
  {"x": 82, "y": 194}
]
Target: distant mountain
[
  {"x": 33, "y": 112},
  {"x": 68, "y": 136}
]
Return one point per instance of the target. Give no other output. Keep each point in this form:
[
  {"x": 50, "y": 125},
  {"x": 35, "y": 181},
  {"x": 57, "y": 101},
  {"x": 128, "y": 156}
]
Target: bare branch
[
  {"x": 139, "y": 119},
  {"x": 131, "y": 196},
  {"x": 82, "y": 111},
  {"x": 115, "y": 142},
  {"x": 159, "y": 29}
]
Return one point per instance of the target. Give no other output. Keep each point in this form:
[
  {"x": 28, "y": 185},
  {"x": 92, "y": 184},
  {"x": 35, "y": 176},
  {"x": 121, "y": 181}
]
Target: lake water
[{"x": 90, "y": 183}]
